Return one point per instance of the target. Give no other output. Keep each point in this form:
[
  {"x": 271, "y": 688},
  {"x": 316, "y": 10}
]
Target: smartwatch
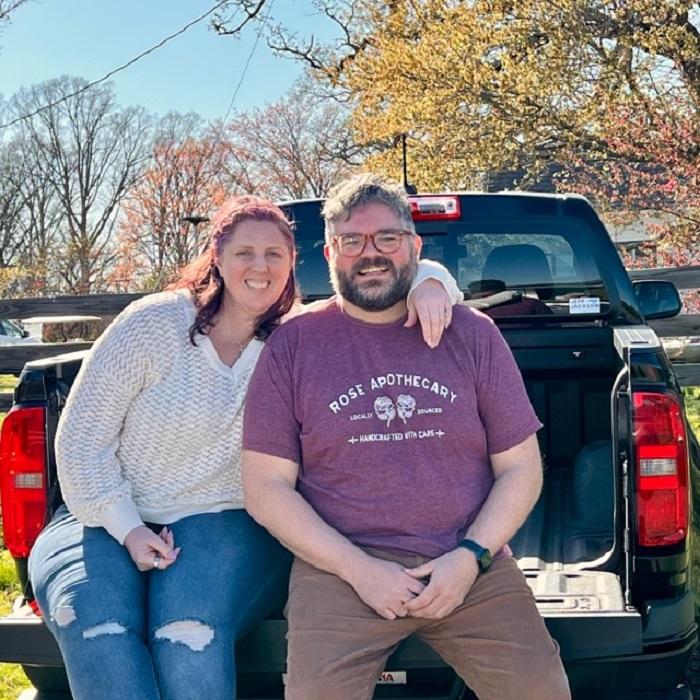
[{"x": 483, "y": 555}]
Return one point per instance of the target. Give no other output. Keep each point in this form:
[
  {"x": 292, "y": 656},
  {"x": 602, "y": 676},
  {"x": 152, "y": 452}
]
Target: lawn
[
  {"x": 692, "y": 406},
  {"x": 12, "y": 678},
  {"x": 7, "y": 383}
]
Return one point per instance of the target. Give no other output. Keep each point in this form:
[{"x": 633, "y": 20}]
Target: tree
[
  {"x": 31, "y": 219},
  {"x": 183, "y": 178},
  {"x": 497, "y": 85},
  {"x": 7, "y": 7},
  {"x": 10, "y": 237},
  {"x": 654, "y": 175},
  {"x": 234, "y": 16},
  {"x": 654, "y": 179},
  {"x": 91, "y": 152},
  {"x": 10, "y": 208},
  {"x": 291, "y": 149},
  {"x": 294, "y": 148}
]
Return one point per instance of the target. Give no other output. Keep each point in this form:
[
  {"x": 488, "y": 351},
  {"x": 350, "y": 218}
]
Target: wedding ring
[{"x": 156, "y": 561}]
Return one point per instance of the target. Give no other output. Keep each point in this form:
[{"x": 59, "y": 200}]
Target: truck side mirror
[{"x": 657, "y": 298}]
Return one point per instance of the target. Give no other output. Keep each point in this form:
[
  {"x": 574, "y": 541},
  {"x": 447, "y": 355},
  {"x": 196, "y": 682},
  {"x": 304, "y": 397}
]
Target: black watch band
[{"x": 483, "y": 555}]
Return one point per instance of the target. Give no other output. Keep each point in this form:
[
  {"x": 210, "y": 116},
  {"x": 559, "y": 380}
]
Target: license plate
[
  {"x": 385, "y": 678},
  {"x": 392, "y": 678}
]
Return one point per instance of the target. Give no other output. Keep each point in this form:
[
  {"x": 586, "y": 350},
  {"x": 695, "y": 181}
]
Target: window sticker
[{"x": 584, "y": 305}]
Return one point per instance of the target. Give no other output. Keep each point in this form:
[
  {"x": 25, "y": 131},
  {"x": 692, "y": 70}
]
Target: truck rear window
[
  {"x": 505, "y": 268},
  {"x": 521, "y": 273}
]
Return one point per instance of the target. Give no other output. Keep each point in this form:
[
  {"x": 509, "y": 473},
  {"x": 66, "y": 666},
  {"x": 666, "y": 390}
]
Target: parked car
[
  {"x": 683, "y": 349},
  {"x": 11, "y": 333}
]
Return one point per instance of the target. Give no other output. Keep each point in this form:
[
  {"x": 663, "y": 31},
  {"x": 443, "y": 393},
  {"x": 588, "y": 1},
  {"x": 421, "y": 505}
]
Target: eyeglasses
[{"x": 351, "y": 245}]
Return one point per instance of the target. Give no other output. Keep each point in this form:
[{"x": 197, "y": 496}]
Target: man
[{"x": 394, "y": 473}]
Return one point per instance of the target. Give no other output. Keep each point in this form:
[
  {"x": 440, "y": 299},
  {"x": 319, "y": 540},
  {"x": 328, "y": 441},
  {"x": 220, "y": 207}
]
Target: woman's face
[{"x": 255, "y": 264}]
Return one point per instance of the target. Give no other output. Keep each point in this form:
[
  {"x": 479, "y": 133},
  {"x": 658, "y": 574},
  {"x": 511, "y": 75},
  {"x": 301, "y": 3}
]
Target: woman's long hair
[{"x": 201, "y": 277}]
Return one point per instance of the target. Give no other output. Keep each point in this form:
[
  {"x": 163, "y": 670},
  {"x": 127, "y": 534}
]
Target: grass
[
  {"x": 12, "y": 678},
  {"x": 12, "y": 681},
  {"x": 692, "y": 408},
  {"x": 7, "y": 382},
  {"x": 9, "y": 586}
]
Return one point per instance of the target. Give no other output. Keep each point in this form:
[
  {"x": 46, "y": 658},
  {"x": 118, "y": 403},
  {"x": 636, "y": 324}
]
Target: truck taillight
[
  {"x": 661, "y": 461},
  {"x": 22, "y": 478},
  {"x": 434, "y": 207}
]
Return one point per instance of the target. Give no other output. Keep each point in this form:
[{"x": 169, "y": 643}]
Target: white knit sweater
[{"x": 152, "y": 427}]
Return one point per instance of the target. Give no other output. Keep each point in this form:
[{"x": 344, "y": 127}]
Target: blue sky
[{"x": 197, "y": 71}]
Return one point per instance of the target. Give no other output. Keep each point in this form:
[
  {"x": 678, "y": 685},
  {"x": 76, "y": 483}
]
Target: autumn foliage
[{"x": 184, "y": 178}]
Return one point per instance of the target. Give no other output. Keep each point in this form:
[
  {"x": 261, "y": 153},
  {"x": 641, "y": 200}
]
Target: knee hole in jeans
[
  {"x": 63, "y": 615},
  {"x": 104, "y": 629},
  {"x": 192, "y": 633}
]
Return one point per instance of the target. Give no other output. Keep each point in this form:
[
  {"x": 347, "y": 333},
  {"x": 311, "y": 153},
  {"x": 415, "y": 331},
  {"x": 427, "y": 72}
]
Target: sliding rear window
[
  {"x": 527, "y": 266},
  {"x": 522, "y": 269}
]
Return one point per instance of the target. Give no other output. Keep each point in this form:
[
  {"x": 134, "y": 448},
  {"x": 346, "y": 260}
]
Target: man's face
[{"x": 373, "y": 281}]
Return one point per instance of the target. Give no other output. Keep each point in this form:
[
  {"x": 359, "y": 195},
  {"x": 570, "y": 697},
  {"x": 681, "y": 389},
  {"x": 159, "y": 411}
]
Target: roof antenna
[{"x": 410, "y": 189}]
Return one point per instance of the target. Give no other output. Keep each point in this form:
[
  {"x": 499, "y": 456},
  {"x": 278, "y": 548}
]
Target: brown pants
[{"x": 496, "y": 640}]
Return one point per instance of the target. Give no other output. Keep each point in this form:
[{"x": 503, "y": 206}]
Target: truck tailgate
[{"x": 585, "y": 611}]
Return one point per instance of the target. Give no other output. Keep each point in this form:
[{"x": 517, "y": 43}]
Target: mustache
[{"x": 366, "y": 263}]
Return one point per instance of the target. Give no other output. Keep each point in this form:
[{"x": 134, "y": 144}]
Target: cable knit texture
[{"x": 152, "y": 427}]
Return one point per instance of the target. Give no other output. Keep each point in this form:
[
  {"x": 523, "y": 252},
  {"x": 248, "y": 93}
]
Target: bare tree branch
[
  {"x": 7, "y": 7},
  {"x": 91, "y": 152},
  {"x": 221, "y": 22}
]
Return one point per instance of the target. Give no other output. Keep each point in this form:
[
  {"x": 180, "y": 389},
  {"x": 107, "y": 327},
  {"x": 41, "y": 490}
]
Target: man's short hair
[{"x": 361, "y": 190}]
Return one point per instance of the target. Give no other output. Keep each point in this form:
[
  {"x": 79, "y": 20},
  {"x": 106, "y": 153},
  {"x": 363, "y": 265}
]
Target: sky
[{"x": 197, "y": 71}]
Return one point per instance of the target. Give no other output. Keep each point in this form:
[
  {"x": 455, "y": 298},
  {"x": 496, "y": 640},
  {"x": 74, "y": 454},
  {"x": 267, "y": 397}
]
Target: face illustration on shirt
[{"x": 373, "y": 281}]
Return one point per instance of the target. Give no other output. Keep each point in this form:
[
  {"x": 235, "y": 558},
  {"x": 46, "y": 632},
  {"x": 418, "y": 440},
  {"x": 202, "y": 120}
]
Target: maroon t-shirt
[{"x": 392, "y": 438}]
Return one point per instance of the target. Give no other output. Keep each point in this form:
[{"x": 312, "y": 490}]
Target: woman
[{"x": 152, "y": 569}]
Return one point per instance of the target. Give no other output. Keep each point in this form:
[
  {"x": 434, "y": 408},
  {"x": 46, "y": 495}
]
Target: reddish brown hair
[{"x": 202, "y": 277}]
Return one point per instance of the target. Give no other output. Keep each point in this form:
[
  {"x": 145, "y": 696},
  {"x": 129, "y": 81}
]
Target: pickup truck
[{"x": 606, "y": 549}]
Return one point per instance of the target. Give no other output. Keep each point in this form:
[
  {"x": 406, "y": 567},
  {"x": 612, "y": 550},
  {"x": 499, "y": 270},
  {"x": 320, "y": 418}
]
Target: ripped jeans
[{"x": 156, "y": 635}]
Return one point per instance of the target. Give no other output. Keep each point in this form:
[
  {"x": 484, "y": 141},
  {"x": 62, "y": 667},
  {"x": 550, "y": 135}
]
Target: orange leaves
[{"x": 184, "y": 179}]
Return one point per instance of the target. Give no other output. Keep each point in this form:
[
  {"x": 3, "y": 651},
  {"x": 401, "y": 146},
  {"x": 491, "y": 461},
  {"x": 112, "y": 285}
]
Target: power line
[
  {"x": 121, "y": 68},
  {"x": 247, "y": 63}
]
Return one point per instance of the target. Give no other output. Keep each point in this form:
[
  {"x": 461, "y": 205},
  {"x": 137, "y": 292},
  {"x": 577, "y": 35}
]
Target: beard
[{"x": 374, "y": 294}]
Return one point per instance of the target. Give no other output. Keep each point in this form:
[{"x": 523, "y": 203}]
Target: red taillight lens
[
  {"x": 661, "y": 462},
  {"x": 23, "y": 478}
]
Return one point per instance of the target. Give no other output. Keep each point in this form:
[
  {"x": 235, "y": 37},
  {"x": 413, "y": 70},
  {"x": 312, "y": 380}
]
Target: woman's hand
[
  {"x": 151, "y": 551},
  {"x": 430, "y": 304}
]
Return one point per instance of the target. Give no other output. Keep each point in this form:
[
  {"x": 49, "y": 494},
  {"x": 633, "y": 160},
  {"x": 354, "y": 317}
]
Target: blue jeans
[{"x": 156, "y": 635}]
